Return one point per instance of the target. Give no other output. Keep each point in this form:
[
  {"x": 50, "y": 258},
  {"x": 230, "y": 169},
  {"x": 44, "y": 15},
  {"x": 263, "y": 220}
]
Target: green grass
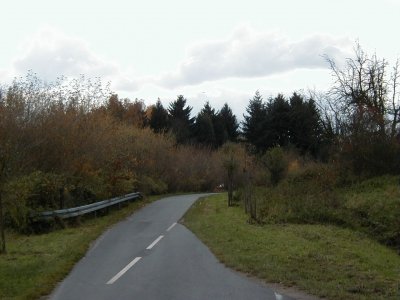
[
  {"x": 325, "y": 261},
  {"x": 374, "y": 207},
  {"x": 34, "y": 264},
  {"x": 314, "y": 197}
]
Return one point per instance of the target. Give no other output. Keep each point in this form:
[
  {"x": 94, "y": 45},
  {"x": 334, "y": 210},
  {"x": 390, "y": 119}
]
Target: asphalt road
[{"x": 151, "y": 256}]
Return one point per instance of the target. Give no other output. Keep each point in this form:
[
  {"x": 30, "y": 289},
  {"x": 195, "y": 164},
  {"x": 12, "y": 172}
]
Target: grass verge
[
  {"x": 325, "y": 261},
  {"x": 35, "y": 264}
]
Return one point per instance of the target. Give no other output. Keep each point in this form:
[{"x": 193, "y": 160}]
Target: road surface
[{"x": 151, "y": 256}]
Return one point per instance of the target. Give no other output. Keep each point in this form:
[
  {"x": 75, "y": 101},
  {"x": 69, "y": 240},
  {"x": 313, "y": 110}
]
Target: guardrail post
[{"x": 61, "y": 191}]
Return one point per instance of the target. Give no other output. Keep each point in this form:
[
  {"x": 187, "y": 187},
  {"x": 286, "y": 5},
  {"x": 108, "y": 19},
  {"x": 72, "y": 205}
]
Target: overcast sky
[{"x": 215, "y": 50}]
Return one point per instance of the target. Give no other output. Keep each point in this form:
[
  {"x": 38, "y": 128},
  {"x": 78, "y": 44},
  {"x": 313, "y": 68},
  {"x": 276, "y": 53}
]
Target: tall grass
[{"x": 316, "y": 194}]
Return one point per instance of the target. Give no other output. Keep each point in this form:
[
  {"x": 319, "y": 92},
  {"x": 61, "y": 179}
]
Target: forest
[{"x": 72, "y": 142}]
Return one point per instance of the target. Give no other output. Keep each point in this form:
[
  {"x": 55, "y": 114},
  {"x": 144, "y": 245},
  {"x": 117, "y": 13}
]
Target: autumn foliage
[{"x": 73, "y": 142}]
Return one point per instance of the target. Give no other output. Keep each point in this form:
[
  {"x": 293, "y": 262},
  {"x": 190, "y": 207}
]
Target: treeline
[
  {"x": 284, "y": 122},
  {"x": 210, "y": 128}
]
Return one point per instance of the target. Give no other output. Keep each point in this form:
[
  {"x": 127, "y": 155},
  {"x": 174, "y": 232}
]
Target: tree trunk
[
  {"x": 2, "y": 229},
  {"x": 230, "y": 189}
]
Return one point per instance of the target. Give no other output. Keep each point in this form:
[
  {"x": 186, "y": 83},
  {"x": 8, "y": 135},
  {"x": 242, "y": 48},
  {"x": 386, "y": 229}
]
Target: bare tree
[
  {"x": 364, "y": 105},
  {"x": 365, "y": 93},
  {"x": 395, "y": 98}
]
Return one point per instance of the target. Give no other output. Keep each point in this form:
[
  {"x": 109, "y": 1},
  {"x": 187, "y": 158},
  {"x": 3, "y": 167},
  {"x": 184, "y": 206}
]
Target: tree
[
  {"x": 16, "y": 115},
  {"x": 253, "y": 124},
  {"x": 366, "y": 93},
  {"x": 204, "y": 127},
  {"x": 159, "y": 118},
  {"x": 365, "y": 96},
  {"x": 231, "y": 165},
  {"x": 135, "y": 113},
  {"x": 304, "y": 125},
  {"x": 180, "y": 122},
  {"x": 281, "y": 122},
  {"x": 115, "y": 107},
  {"x": 226, "y": 126},
  {"x": 276, "y": 126}
]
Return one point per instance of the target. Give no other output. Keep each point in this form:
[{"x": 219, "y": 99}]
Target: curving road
[{"x": 151, "y": 256}]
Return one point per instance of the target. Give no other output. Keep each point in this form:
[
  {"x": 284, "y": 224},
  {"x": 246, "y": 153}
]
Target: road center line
[
  {"x": 124, "y": 270},
  {"x": 172, "y": 226},
  {"x": 155, "y": 242}
]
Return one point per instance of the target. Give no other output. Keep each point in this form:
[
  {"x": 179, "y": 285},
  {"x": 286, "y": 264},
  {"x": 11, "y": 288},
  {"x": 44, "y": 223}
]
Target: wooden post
[{"x": 2, "y": 229}]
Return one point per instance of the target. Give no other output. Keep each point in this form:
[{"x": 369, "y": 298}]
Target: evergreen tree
[
  {"x": 253, "y": 124},
  {"x": 204, "y": 128},
  {"x": 305, "y": 125},
  {"x": 208, "y": 110},
  {"x": 159, "y": 118},
  {"x": 276, "y": 127},
  {"x": 229, "y": 123},
  {"x": 282, "y": 122},
  {"x": 180, "y": 122}
]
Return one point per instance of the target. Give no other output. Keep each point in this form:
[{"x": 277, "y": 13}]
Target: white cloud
[
  {"x": 50, "y": 54},
  {"x": 244, "y": 54},
  {"x": 5, "y": 76},
  {"x": 249, "y": 54}
]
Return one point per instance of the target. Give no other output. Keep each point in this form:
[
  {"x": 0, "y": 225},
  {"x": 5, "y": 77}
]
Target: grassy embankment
[
  {"x": 34, "y": 264},
  {"x": 323, "y": 260}
]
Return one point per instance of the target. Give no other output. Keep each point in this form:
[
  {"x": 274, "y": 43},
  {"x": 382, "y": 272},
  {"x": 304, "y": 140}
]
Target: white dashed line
[
  {"x": 130, "y": 265},
  {"x": 123, "y": 271},
  {"x": 172, "y": 226},
  {"x": 155, "y": 242}
]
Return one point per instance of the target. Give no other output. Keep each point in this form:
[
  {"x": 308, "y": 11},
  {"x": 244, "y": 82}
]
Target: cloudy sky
[{"x": 215, "y": 50}]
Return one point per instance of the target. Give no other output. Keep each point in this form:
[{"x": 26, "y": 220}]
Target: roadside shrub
[
  {"x": 370, "y": 155},
  {"x": 276, "y": 163},
  {"x": 29, "y": 194},
  {"x": 307, "y": 195},
  {"x": 150, "y": 186},
  {"x": 119, "y": 183},
  {"x": 16, "y": 194},
  {"x": 78, "y": 195}
]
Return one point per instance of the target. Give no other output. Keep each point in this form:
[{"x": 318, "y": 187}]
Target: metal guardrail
[{"x": 84, "y": 209}]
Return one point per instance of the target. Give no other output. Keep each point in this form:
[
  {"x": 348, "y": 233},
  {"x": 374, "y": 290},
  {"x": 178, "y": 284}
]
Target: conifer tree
[
  {"x": 159, "y": 118},
  {"x": 253, "y": 124},
  {"x": 229, "y": 123},
  {"x": 204, "y": 128},
  {"x": 180, "y": 122}
]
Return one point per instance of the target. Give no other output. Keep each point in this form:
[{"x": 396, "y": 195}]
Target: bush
[
  {"x": 29, "y": 194},
  {"x": 370, "y": 155},
  {"x": 150, "y": 186},
  {"x": 276, "y": 163},
  {"x": 305, "y": 197}
]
